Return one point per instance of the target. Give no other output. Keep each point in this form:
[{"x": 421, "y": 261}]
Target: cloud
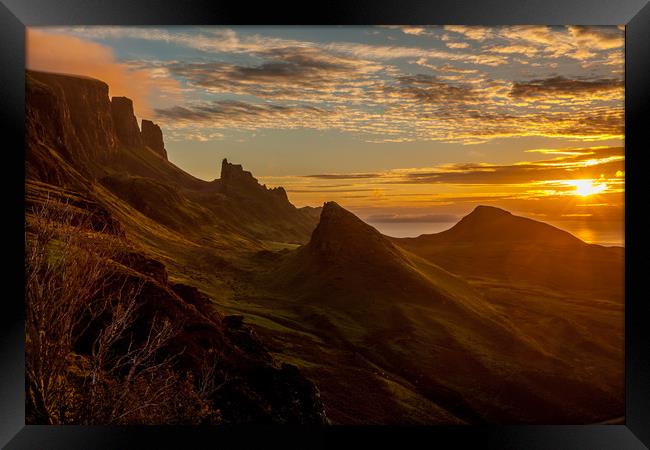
[
  {"x": 414, "y": 108},
  {"x": 292, "y": 73},
  {"x": 563, "y": 87},
  {"x": 206, "y": 39},
  {"x": 457, "y": 44},
  {"x": 429, "y": 88},
  {"x": 415, "y": 31},
  {"x": 475, "y": 33},
  {"x": 575, "y": 42},
  {"x": 52, "y": 52},
  {"x": 238, "y": 114},
  {"x": 344, "y": 176},
  {"x": 567, "y": 163},
  {"x": 521, "y": 49},
  {"x": 602, "y": 38},
  {"x": 445, "y": 68},
  {"x": 578, "y": 164},
  {"x": 224, "y": 40},
  {"x": 249, "y": 81},
  {"x": 326, "y": 191},
  {"x": 387, "y": 53},
  {"x": 440, "y": 193}
]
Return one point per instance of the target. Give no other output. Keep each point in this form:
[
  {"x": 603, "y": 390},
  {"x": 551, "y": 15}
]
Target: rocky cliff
[
  {"x": 235, "y": 179},
  {"x": 70, "y": 114},
  {"x": 73, "y": 117},
  {"x": 126, "y": 125},
  {"x": 152, "y": 137},
  {"x": 234, "y": 174}
]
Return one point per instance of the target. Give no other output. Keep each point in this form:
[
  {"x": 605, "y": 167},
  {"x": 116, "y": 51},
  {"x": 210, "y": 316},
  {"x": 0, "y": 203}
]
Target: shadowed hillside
[
  {"x": 494, "y": 243},
  {"x": 437, "y": 336},
  {"x": 348, "y": 260}
]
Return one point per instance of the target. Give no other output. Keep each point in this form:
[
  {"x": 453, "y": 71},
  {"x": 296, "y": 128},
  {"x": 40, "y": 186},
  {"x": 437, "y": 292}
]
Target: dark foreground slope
[{"x": 444, "y": 349}]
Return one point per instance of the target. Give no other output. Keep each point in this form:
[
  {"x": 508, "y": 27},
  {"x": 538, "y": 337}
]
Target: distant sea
[
  {"x": 411, "y": 229},
  {"x": 601, "y": 233}
]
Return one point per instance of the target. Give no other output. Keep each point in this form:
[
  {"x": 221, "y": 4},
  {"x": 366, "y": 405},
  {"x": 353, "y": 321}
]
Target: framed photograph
[{"x": 400, "y": 225}]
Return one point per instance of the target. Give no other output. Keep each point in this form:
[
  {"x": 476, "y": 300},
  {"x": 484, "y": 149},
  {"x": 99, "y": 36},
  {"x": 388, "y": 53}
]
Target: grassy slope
[
  {"x": 460, "y": 352},
  {"x": 392, "y": 364},
  {"x": 414, "y": 365}
]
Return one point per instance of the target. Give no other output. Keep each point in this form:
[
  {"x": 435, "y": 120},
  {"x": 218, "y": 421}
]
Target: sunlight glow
[{"x": 587, "y": 187}]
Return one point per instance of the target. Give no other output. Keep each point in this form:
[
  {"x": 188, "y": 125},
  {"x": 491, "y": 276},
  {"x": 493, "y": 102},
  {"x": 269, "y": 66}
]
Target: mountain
[
  {"x": 80, "y": 139},
  {"x": 347, "y": 260},
  {"x": 487, "y": 223},
  {"x": 493, "y": 243},
  {"x": 444, "y": 348},
  {"x": 86, "y": 154}
]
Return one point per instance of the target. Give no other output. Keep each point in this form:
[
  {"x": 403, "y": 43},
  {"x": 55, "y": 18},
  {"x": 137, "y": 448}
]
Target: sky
[{"x": 408, "y": 127}]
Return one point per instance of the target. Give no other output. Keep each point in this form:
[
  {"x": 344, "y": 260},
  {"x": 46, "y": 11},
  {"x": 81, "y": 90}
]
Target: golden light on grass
[{"x": 587, "y": 187}]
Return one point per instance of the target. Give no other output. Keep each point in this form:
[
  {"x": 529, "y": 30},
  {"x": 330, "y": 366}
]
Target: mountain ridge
[
  {"x": 493, "y": 242},
  {"x": 78, "y": 136},
  {"x": 418, "y": 321}
]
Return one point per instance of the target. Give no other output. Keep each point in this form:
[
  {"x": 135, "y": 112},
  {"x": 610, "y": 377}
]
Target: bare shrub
[{"x": 72, "y": 287}]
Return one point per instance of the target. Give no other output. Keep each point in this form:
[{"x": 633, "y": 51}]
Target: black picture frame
[{"x": 15, "y": 15}]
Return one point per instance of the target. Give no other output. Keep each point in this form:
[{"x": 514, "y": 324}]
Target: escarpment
[{"x": 74, "y": 117}]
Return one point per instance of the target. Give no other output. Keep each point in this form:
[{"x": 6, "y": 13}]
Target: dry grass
[{"x": 73, "y": 290}]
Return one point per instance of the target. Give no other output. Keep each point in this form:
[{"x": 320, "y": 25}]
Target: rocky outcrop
[
  {"x": 234, "y": 179},
  {"x": 280, "y": 193},
  {"x": 72, "y": 144},
  {"x": 152, "y": 137},
  {"x": 70, "y": 113},
  {"x": 74, "y": 116},
  {"x": 235, "y": 174},
  {"x": 144, "y": 265},
  {"x": 256, "y": 203},
  {"x": 126, "y": 125},
  {"x": 252, "y": 387}
]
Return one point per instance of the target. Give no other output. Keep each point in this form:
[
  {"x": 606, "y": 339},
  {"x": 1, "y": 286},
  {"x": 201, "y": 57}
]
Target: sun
[{"x": 587, "y": 187}]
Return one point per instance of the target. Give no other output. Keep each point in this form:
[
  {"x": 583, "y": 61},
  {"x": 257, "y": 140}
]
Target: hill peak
[
  {"x": 334, "y": 209},
  {"x": 484, "y": 210},
  {"x": 484, "y": 215},
  {"x": 489, "y": 224},
  {"x": 334, "y": 217},
  {"x": 340, "y": 234}
]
